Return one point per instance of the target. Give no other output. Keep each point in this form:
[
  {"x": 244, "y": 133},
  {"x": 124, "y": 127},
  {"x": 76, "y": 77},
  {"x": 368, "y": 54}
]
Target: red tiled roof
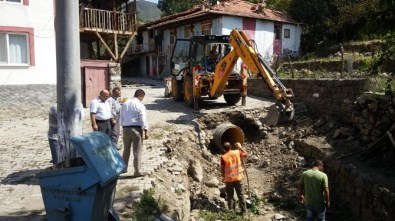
[
  {"x": 233, "y": 8},
  {"x": 247, "y": 9}
]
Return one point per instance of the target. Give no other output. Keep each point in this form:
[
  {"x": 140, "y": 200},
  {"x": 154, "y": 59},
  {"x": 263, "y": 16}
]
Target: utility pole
[{"x": 68, "y": 76}]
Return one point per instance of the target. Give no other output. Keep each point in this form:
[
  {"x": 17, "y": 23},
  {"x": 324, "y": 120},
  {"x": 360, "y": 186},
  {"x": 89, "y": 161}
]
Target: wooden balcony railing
[{"x": 107, "y": 21}]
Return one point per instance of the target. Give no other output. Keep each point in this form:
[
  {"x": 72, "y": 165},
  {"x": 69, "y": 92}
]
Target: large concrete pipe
[{"x": 228, "y": 133}]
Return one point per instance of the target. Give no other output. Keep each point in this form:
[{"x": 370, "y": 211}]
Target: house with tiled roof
[{"x": 273, "y": 32}]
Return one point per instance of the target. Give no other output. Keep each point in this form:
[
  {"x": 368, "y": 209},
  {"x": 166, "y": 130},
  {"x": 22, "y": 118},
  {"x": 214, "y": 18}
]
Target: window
[
  {"x": 14, "y": 49},
  {"x": 172, "y": 36},
  {"x": 15, "y": 1},
  {"x": 287, "y": 33}
]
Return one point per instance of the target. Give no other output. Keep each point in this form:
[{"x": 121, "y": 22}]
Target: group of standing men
[{"x": 109, "y": 113}]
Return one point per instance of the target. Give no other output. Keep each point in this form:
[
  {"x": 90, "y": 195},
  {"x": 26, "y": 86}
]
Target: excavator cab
[{"x": 194, "y": 62}]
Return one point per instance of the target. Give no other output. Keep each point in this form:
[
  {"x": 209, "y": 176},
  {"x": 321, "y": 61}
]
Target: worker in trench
[{"x": 232, "y": 174}]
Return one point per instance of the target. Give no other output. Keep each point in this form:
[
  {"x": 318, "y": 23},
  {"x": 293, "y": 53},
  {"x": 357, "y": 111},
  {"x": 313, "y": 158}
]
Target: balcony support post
[{"x": 106, "y": 46}]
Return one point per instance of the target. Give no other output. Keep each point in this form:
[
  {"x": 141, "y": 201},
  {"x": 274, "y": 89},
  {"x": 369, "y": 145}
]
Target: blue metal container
[{"x": 83, "y": 189}]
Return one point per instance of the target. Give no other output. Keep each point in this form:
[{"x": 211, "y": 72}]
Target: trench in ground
[{"x": 278, "y": 156}]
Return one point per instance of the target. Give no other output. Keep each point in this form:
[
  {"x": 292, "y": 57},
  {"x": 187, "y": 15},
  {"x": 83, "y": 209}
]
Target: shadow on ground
[{"x": 22, "y": 177}]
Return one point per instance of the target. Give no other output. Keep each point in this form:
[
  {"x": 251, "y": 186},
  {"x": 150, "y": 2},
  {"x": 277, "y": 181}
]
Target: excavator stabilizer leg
[{"x": 277, "y": 113}]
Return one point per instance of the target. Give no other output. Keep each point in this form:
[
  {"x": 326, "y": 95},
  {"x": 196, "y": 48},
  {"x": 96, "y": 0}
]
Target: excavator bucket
[{"x": 278, "y": 113}]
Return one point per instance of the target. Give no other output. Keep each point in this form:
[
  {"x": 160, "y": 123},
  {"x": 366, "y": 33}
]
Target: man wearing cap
[{"x": 232, "y": 174}]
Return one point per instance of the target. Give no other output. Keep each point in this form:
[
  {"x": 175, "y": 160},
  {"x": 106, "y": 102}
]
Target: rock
[
  {"x": 279, "y": 217},
  {"x": 163, "y": 217},
  {"x": 282, "y": 134},
  {"x": 343, "y": 131},
  {"x": 302, "y": 161},
  {"x": 181, "y": 187},
  {"x": 291, "y": 145},
  {"x": 212, "y": 182},
  {"x": 319, "y": 123},
  {"x": 253, "y": 159},
  {"x": 195, "y": 170},
  {"x": 206, "y": 154},
  {"x": 265, "y": 164}
]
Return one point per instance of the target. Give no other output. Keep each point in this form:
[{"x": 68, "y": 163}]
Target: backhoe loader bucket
[{"x": 277, "y": 113}]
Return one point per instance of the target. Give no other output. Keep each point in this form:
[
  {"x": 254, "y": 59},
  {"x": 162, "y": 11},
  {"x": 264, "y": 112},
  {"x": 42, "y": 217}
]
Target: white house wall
[
  {"x": 145, "y": 41},
  {"x": 264, "y": 36},
  {"x": 229, "y": 23},
  {"x": 293, "y": 42},
  {"x": 197, "y": 28},
  {"x": 38, "y": 15},
  {"x": 216, "y": 28}
]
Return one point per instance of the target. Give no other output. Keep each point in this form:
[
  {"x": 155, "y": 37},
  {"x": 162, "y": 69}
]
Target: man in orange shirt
[{"x": 232, "y": 174}]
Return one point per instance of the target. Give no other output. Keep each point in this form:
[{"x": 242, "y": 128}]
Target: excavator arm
[{"x": 243, "y": 49}]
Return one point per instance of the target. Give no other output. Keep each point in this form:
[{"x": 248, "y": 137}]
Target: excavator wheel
[
  {"x": 188, "y": 91},
  {"x": 278, "y": 114},
  {"x": 176, "y": 89},
  {"x": 232, "y": 99}
]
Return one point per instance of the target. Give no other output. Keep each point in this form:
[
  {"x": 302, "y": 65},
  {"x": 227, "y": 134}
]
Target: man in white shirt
[
  {"x": 100, "y": 112},
  {"x": 134, "y": 124},
  {"x": 115, "y": 104}
]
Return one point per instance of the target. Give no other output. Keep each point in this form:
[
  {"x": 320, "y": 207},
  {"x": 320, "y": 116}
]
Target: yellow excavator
[{"x": 199, "y": 73}]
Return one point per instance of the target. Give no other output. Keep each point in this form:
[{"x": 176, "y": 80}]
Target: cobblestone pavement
[{"x": 24, "y": 149}]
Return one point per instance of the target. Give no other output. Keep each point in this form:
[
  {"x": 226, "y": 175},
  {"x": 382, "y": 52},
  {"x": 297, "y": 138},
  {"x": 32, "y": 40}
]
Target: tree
[
  {"x": 279, "y": 5},
  {"x": 384, "y": 18},
  {"x": 170, "y": 7},
  {"x": 349, "y": 18},
  {"x": 314, "y": 14}
]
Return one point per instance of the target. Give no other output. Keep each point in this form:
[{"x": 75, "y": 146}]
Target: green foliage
[
  {"x": 383, "y": 20},
  {"x": 225, "y": 215},
  {"x": 380, "y": 84},
  {"x": 279, "y": 5},
  {"x": 170, "y": 7},
  {"x": 288, "y": 204},
  {"x": 255, "y": 206},
  {"x": 385, "y": 60},
  {"x": 148, "y": 207}
]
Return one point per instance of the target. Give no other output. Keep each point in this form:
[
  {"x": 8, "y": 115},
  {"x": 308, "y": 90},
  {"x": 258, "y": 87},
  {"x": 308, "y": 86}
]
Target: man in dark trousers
[
  {"x": 314, "y": 192},
  {"x": 232, "y": 174},
  {"x": 100, "y": 112}
]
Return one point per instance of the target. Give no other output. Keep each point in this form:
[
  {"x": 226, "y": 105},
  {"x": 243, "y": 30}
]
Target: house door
[
  {"x": 249, "y": 25},
  {"x": 277, "y": 44},
  {"x": 95, "y": 80}
]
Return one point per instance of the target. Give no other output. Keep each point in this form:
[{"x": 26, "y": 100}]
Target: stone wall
[
  {"x": 22, "y": 98},
  {"x": 373, "y": 115},
  {"x": 352, "y": 187},
  {"x": 321, "y": 96}
]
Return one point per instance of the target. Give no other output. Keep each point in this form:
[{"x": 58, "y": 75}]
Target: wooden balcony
[{"x": 103, "y": 21}]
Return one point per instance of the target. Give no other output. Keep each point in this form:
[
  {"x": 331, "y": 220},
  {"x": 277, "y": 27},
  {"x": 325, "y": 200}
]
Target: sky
[{"x": 154, "y": 1}]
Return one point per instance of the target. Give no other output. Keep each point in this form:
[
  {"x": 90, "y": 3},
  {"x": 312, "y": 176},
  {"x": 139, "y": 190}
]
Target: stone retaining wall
[
  {"x": 351, "y": 188},
  {"x": 373, "y": 115},
  {"x": 321, "y": 96}
]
